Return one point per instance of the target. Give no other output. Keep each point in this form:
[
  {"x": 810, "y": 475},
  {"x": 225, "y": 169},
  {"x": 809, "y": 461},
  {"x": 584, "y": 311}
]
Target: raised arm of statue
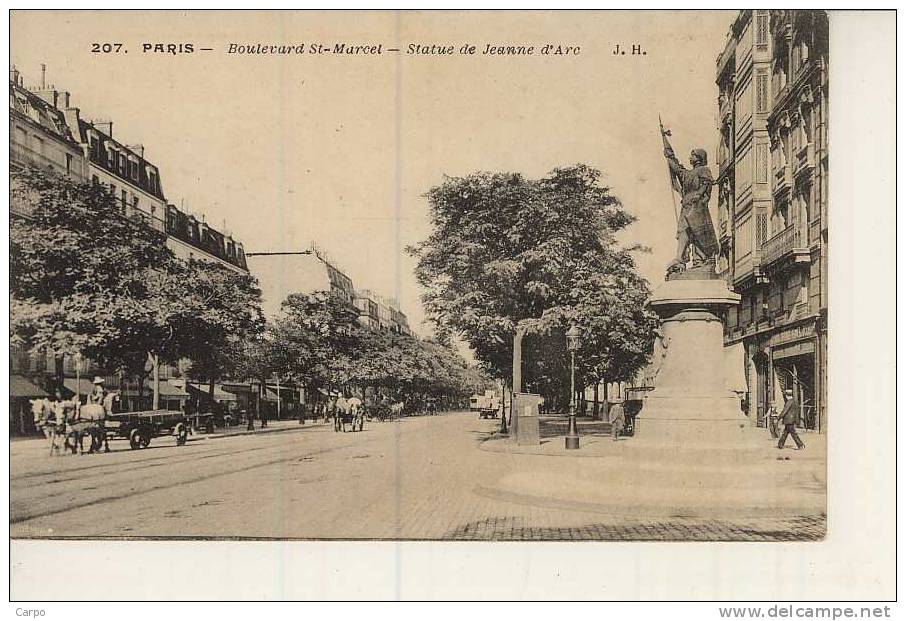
[{"x": 677, "y": 170}]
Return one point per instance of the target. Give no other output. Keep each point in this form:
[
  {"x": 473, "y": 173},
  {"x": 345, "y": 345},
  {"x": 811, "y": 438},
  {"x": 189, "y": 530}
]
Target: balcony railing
[{"x": 785, "y": 243}]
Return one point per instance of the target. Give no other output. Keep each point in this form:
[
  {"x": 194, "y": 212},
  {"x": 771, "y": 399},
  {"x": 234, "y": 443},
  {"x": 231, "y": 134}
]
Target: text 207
[{"x": 106, "y": 48}]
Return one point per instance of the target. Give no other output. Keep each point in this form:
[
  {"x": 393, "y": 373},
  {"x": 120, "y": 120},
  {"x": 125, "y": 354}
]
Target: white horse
[
  {"x": 91, "y": 422},
  {"x": 51, "y": 417}
]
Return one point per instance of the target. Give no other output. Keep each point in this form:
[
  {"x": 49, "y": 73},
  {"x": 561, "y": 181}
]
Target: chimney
[
  {"x": 64, "y": 100},
  {"x": 138, "y": 148},
  {"x": 104, "y": 126},
  {"x": 14, "y": 75},
  {"x": 43, "y": 76}
]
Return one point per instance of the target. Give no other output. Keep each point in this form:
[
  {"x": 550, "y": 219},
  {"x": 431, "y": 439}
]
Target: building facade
[
  {"x": 772, "y": 205},
  {"x": 379, "y": 313},
  {"x": 48, "y": 133},
  {"x": 40, "y": 136}
]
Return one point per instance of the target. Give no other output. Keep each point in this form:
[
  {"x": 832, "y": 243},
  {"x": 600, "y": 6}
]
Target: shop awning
[
  {"x": 84, "y": 385},
  {"x": 286, "y": 392},
  {"x": 167, "y": 390},
  {"x": 219, "y": 393},
  {"x": 793, "y": 349},
  {"x": 21, "y": 387}
]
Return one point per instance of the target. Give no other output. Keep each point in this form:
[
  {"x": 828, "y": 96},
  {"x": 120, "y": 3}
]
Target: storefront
[
  {"x": 21, "y": 392},
  {"x": 794, "y": 365}
]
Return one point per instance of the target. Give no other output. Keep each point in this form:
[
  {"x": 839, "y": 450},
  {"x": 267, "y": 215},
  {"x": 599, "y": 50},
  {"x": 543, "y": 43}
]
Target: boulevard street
[{"x": 419, "y": 478}]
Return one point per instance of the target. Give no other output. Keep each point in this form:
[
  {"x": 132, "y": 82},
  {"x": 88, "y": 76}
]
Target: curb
[{"x": 220, "y": 436}]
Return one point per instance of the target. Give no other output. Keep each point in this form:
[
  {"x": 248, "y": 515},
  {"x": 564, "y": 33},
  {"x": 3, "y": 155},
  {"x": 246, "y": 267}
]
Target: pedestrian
[
  {"x": 617, "y": 420},
  {"x": 262, "y": 416},
  {"x": 789, "y": 415},
  {"x": 251, "y": 425}
]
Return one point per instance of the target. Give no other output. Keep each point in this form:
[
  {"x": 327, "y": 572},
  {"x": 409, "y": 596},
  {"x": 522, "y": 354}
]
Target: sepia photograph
[{"x": 421, "y": 276}]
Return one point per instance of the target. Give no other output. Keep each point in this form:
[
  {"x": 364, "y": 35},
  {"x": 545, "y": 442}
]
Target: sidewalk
[
  {"x": 273, "y": 426},
  {"x": 637, "y": 477}
]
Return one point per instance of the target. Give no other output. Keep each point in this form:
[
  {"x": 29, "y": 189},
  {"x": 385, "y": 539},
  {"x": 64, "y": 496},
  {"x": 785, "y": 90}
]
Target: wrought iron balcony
[{"x": 787, "y": 243}]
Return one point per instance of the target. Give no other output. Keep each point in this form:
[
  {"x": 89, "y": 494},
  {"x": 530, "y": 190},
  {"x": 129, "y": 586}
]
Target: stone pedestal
[{"x": 690, "y": 403}]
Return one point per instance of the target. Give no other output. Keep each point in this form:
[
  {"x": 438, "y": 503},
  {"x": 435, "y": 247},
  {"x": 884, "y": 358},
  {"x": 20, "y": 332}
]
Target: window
[
  {"x": 39, "y": 145},
  {"x": 761, "y": 91},
  {"x": 761, "y": 163},
  {"x": 113, "y": 190},
  {"x": 135, "y": 202},
  {"x": 22, "y": 136},
  {"x": 133, "y": 170},
  {"x": 68, "y": 163},
  {"x": 761, "y": 29},
  {"x": 761, "y": 229},
  {"x": 806, "y": 205},
  {"x": 123, "y": 194},
  {"x": 95, "y": 148},
  {"x": 95, "y": 180}
]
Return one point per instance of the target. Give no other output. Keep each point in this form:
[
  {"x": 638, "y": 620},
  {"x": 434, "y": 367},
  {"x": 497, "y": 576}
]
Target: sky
[{"x": 290, "y": 149}]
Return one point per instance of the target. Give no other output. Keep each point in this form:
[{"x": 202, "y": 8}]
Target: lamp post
[{"x": 572, "y": 343}]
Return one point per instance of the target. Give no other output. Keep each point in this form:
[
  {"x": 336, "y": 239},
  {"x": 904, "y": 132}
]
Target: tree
[
  {"x": 213, "y": 312},
  {"x": 80, "y": 272},
  {"x": 316, "y": 338},
  {"x": 86, "y": 279},
  {"x": 510, "y": 256}
]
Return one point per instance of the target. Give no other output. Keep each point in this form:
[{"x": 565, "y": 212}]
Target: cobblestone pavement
[
  {"x": 420, "y": 478},
  {"x": 804, "y": 528}
]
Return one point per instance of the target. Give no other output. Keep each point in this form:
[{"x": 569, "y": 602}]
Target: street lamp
[{"x": 572, "y": 344}]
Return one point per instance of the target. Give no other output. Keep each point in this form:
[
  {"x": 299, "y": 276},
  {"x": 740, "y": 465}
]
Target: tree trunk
[
  {"x": 155, "y": 370},
  {"x": 58, "y": 371},
  {"x": 517, "y": 375},
  {"x": 257, "y": 401},
  {"x": 210, "y": 395},
  {"x": 594, "y": 410}
]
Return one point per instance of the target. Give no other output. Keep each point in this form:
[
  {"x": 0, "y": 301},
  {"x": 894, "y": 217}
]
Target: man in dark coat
[{"x": 789, "y": 415}]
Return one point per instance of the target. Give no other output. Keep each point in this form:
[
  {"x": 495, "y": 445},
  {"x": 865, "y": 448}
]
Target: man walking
[{"x": 789, "y": 415}]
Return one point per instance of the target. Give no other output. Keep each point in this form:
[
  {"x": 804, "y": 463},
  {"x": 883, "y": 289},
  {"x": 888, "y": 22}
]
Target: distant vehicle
[{"x": 487, "y": 406}]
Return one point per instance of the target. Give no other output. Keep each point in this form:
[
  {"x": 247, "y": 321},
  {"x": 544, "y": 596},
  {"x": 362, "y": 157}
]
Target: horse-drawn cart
[{"x": 140, "y": 427}]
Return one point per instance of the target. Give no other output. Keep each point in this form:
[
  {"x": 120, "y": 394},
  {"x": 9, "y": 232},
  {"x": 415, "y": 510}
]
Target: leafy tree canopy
[{"x": 508, "y": 253}]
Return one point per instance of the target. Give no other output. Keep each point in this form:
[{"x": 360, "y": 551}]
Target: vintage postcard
[{"x": 421, "y": 275}]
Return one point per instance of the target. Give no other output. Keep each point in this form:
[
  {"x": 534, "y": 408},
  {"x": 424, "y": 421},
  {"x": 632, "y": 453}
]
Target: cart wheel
[
  {"x": 135, "y": 439},
  {"x": 146, "y": 438},
  {"x": 182, "y": 434}
]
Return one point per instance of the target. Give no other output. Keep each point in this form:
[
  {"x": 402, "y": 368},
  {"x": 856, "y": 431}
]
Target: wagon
[{"x": 140, "y": 427}]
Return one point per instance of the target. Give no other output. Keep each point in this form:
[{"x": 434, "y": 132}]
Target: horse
[
  {"x": 45, "y": 416},
  {"x": 396, "y": 410},
  {"x": 91, "y": 424}
]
